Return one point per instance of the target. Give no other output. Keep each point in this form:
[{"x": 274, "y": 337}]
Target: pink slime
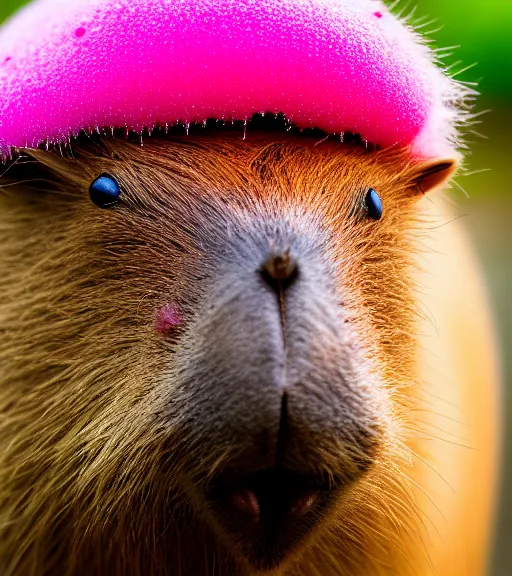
[{"x": 338, "y": 65}]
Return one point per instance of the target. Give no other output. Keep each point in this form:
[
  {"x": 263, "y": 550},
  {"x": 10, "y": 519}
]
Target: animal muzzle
[{"x": 281, "y": 410}]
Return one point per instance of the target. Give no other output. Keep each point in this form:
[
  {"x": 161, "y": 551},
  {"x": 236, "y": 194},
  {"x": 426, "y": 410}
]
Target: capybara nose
[{"x": 279, "y": 376}]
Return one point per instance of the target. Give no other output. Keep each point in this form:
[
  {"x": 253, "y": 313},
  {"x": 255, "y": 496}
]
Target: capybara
[
  {"x": 231, "y": 367},
  {"x": 242, "y": 330}
]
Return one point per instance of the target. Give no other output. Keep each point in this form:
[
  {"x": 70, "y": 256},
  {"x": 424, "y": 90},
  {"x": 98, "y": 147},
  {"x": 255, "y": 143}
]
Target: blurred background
[{"x": 480, "y": 34}]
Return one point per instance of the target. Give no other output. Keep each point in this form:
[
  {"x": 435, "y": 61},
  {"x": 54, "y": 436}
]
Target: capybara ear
[{"x": 434, "y": 174}]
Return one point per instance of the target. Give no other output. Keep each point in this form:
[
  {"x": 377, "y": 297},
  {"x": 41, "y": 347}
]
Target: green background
[{"x": 482, "y": 30}]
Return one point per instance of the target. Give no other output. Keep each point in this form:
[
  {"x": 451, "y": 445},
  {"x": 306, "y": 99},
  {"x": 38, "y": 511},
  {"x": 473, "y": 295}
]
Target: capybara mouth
[{"x": 270, "y": 513}]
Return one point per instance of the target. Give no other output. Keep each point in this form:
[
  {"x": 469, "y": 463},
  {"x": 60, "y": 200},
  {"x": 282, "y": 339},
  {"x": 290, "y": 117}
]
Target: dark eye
[
  {"x": 105, "y": 191},
  {"x": 373, "y": 204}
]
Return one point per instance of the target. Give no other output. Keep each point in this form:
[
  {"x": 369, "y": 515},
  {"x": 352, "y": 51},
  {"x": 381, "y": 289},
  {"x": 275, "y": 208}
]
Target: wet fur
[{"x": 91, "y": 474}]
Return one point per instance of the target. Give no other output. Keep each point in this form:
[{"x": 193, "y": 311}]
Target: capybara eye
[
  {"x": 373, "y": 204},
  {"x": 105, "y": 191}
]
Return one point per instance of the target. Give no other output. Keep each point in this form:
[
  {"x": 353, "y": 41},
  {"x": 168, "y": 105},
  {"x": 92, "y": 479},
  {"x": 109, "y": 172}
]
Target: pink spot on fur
[
  {"x": 7, "y": 59},
  {"x": 79, "y": 32},
  {"x": 378, "y": 14},
  {"x": 167, "y": 318}
]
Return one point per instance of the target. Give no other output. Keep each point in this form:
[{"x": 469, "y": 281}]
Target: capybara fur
[{"x": 224, "y": 373}]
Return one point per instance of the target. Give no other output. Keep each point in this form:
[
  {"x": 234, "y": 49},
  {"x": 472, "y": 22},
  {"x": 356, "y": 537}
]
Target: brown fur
[{"x": 90, "y": 482}]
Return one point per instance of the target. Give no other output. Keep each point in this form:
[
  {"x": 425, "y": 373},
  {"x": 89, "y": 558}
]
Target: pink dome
[{"x": 337, "y": 65}]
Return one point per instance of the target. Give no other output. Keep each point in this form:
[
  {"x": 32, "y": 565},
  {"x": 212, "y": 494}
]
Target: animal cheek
[{"x": 167, "y": 319}]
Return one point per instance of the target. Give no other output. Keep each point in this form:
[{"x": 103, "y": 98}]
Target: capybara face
[{"x": 211, "y": 374}]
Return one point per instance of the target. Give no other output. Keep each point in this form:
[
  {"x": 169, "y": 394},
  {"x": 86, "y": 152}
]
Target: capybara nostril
[{"x": 280, "y": 268}]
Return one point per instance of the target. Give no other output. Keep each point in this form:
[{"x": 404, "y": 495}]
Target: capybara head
[{"x": 207, "y": 353}]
